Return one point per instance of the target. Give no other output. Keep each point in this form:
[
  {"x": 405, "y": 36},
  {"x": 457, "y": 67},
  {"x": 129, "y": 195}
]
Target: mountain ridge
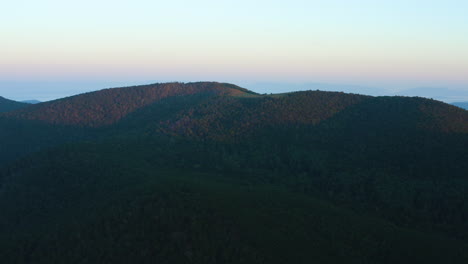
[{"x": 107, "y": 106}]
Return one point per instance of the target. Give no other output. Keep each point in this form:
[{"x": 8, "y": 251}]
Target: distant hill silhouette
[
  {"x": 438, "y": 93},
  {"x": 275, "y": 87},
  {"x": 7, "y": 105},
  {"x": 463, "y": 105},
  {"x": 31, "y": 101}
]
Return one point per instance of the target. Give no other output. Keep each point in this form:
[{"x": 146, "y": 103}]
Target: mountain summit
[{"x": 107, "y": 106}]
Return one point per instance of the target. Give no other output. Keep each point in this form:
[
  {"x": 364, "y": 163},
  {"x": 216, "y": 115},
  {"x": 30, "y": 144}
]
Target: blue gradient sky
[{"x": 49, "y": 48}]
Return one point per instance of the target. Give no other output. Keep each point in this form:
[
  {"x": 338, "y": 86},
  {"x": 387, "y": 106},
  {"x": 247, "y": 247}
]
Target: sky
[{"x": 55, "y": 48}]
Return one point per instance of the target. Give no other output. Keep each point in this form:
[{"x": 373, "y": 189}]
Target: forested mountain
[
  {"x": 10, "y": 105},
  {"x": 213, "y": 173},
  {"x": 110, "y": 105}
]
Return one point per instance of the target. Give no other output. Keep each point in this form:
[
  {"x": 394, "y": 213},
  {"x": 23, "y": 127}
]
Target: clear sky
[{"x": 68, "y": 44}]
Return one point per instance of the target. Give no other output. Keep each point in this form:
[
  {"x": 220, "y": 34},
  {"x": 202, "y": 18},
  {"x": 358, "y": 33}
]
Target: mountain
[
  {"x": 463, "y": 105},
  {"x": 110, "y": 105},
  {"x": 10, "y": 105},
  {"x": 31, "y": 101},
  {"x": 213, "y": 173}
]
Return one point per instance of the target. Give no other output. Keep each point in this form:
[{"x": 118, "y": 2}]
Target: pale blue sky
[{"x": 390, "y": 44}]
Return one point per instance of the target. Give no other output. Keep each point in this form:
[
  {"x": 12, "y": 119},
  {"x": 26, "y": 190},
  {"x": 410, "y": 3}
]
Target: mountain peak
[{"x": 107, "y": 106}]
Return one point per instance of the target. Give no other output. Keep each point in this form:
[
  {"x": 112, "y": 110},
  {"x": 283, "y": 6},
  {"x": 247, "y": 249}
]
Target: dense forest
[{"x": 213, "y": 173}]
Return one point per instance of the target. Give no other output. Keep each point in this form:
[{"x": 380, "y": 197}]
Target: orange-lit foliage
[
  {"x": 230, "y": 111},
  {"x": 226, "y": 117},
  {"x": 443, "y": 117},
  {"x": 107, "y": 106}
]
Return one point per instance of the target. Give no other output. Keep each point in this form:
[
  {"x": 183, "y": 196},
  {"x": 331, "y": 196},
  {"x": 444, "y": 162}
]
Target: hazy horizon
[
  {"x": 46, "y": 91},
  {"x": 51, "y": 49}
]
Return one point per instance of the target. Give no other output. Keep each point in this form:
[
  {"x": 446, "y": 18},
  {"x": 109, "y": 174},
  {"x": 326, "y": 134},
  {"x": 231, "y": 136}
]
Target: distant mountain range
[
  {"x": 438, "y": 93},
  {"x": 214, "y": 173},
  {"x": 31, "y": 101},
  {"x": 275, "y": 87},
  {"x": 442, "y": 94},
  {"x": 463, "y": 105}
]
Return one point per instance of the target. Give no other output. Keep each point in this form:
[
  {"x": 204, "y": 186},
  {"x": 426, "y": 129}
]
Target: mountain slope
[
  {"x": 110, "y": 105},
  {"x": 228, "y": 117},
  {"x": 9, "y": 105},
  {"x": 90, "y": 201}
]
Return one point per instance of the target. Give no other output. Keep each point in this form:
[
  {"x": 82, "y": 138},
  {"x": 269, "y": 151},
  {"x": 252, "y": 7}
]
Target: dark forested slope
[
  {"x": 80, "y": 117},
  {"x": 10, "y": 105},
  {"x": 120, "y": 203}
]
